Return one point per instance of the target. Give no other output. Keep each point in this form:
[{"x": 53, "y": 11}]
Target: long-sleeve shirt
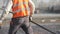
[
  {"x": 32, "y": 7},
  {"x": 8, "y": 8}
]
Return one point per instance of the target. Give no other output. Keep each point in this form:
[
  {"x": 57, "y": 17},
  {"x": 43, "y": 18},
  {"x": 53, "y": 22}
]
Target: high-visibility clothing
[{"x": 20, "y": 8}]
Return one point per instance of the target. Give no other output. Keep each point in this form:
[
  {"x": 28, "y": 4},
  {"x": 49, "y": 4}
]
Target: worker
[{"x": 22, "y": 11}]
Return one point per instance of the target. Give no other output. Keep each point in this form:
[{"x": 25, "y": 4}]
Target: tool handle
[{"x": 43, "y": 27}]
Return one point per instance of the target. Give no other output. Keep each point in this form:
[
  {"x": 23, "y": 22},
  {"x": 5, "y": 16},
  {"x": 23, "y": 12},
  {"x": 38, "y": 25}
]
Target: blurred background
[
  {"x": 47, "y": 6},
  {"x": 47, "y": 14}
]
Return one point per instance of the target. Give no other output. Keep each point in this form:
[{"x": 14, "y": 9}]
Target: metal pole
[{"x": 43, "y": 27}]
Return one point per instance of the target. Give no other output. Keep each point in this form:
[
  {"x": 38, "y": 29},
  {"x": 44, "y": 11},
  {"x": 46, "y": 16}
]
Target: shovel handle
[{"x": 43, "y": 27}]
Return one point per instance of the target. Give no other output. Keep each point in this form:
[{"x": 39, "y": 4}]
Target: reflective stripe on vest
[
  {"x": 21, "y": 10},
  {"x": 19, "y": 4}
]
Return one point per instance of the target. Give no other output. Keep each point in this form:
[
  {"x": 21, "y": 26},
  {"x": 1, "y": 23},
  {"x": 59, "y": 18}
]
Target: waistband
[{"x": 21, "y": 16}]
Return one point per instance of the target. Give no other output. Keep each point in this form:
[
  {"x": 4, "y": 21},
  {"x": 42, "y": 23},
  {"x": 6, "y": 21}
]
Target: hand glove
[{"x": 30, "y": 18}]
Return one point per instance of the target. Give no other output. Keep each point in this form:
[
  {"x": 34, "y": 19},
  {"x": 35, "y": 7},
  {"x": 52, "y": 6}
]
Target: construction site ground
[{"x": 51, "y": 22}]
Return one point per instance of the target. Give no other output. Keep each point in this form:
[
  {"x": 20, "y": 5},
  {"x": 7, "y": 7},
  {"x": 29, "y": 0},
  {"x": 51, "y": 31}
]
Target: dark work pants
[{"x": 17, "y": 23}]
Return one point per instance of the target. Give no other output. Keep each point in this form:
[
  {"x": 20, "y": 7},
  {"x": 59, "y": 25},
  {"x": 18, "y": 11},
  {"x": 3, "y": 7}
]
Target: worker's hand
[
  {"x": 30, "y": 18},
  {"x": 0, "y": 22}
]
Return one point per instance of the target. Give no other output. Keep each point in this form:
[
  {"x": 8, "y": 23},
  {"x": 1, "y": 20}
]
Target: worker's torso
[{"x": 20, "y": 8}]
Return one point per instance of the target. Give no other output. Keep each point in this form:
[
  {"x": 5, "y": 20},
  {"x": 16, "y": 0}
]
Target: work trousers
[{"x": 22, "y": 22}]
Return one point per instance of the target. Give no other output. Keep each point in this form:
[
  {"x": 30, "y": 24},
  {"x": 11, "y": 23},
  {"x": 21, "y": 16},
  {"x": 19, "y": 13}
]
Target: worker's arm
[
  {"x": 32, "y": 7},
  {"x": 6, "y": 10}
]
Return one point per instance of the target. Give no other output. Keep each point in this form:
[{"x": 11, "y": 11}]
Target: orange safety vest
[{"x": 20, "y": 8}]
